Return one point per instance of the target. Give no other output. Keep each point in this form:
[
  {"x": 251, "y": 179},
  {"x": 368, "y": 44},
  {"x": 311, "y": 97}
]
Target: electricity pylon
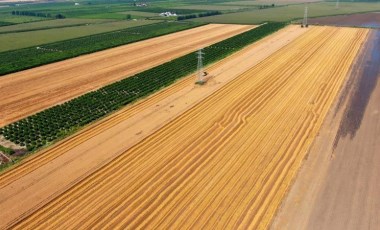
[
  {"x": 304, "y": 22},
  {"x": 200, "y": 67}
]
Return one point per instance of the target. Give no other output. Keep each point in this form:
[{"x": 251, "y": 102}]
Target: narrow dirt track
[
  {"x": 30, "y": 91},
  {"x": 39, "y": 178},
  {"x": 228, "y": 161}
]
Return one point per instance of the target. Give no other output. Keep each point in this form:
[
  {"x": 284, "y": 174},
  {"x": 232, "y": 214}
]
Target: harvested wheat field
[
  {"x": 40, "y": 176},
  {"x": 229, "y": 160},
  {"x": 338, "y": 186},
  {"x": 30, "y": 91}
]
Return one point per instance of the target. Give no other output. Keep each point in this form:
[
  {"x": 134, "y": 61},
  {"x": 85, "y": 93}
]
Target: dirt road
[
  {"x": 339, "y": 184},
  {"x": 226, "y": 162},
  {"x": 27, "y": 92},
  {"x": 40, "y": 177}
]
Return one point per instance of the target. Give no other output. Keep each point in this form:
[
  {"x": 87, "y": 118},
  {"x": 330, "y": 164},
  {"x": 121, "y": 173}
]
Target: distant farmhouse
[{"x": 168, "y": 14}]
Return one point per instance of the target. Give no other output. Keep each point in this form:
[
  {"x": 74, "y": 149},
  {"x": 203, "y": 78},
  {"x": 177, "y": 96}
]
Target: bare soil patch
[{"x": 369, "y": 20}]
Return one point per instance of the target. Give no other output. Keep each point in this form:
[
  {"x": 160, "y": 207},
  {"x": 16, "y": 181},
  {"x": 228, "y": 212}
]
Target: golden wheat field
[{"x": 229, "y": 160}]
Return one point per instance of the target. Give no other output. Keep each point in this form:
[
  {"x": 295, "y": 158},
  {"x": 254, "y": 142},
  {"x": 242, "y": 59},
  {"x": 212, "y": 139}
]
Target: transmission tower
[
  {"x": 304, "y": 23},
  {"x": 200, "y": 67},
  {"x": 337, "y": 4}
]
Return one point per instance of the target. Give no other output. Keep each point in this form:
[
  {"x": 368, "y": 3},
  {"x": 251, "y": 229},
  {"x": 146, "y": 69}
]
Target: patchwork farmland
[
  {"x": 56, "y": 83},
  {"x": 226, "y": 159},
  {"x": 168, "y": 121}
]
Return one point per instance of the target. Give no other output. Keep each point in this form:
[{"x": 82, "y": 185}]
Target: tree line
[
  {"x": 37, "y": 14},
  {"x": 205, "y": 14}
]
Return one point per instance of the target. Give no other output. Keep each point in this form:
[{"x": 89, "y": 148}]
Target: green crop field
[
  {"x": 13, "y": 41},
  {"x": 140, "y": 14},
  {"x": 266, "y": 2},
  {"x": 114, "y": 16},
  {"x": 210, "y": 7},
  {"x": 7, "y": 17},
  {"x": 290, "y": 12},
  {"x": 48, "y": 24}
]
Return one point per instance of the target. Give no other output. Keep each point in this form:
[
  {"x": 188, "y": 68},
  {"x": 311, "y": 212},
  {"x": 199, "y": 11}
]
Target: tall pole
[
  {"x": 200, "y": 66},
  {"x": 337, "y": 4},
  {"x": 305, "y": 17}
]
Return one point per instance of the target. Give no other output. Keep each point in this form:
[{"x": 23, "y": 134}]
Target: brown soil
[
  {"x": 30, "y": 91},
  {"x": 40, "y": 179},
  {"x": 338, "y": 187},
  {"x": 370, "y": 20}
]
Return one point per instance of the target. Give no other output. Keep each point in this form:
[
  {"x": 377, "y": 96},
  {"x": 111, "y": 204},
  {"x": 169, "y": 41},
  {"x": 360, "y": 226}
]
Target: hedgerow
[{"x": 44, "y": 127}]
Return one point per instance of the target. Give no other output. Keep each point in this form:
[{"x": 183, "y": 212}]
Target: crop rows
[
  {"x": 227, "y": 162},
  {"x": 37, "y": 130},
  {"x": 36, "y": 56}
]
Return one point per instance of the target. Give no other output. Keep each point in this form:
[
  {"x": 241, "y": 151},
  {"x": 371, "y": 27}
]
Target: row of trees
[
  {"x": 49, "y": 125},
  {"x": 37, "y": 14},
  {"x": 266, "y": 6},
  {"x": 205, "y": 14}
]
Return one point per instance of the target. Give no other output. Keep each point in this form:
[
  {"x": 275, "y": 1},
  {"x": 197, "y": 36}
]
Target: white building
[{"x": 168, "y": 14}]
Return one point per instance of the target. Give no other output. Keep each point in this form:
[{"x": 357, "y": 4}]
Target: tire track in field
[
  {"x": 45, "y": 156},
  {"x": 227, "y": 162},
  {"x": 68, "y": 207},
  {"x": 37, "y": 181},
  {"x": 58, "y": 82}
]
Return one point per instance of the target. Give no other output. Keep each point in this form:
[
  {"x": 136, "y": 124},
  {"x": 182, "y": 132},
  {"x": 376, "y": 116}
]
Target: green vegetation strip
[
  {"x": 6, "y": 23},
  {"x": 21, "y": 59},
  {"x": 6, "y": 150},
  {"x": 59, "y": 121}
]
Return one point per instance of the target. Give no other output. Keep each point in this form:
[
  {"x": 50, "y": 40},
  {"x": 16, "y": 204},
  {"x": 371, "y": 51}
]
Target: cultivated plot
[
  {"x": 338, "y": 185},
  {"x": 291, "y": 12},
  {"x": 45, "y": 86},
  {"x": 370, "y": 20},
  {"x": 14, "y": 41},
  {"x": 226, "y": 162},
  {"x": 108, "y": 138}
]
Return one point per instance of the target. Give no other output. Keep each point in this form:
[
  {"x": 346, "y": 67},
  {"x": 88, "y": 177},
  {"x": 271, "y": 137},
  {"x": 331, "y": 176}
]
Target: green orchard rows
[{"x": 37, "y": 130}]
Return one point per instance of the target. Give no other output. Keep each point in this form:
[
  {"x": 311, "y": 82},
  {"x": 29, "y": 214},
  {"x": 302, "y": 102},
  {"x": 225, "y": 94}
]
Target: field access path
[
  {"x": 39, "y": 179},
  {"x": 27, "y": 92},
  {"x": 226, "y": 162}
]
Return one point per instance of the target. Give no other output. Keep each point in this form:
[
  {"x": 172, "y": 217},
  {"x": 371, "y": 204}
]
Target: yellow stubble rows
[{"x": 228, "y": 161}]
